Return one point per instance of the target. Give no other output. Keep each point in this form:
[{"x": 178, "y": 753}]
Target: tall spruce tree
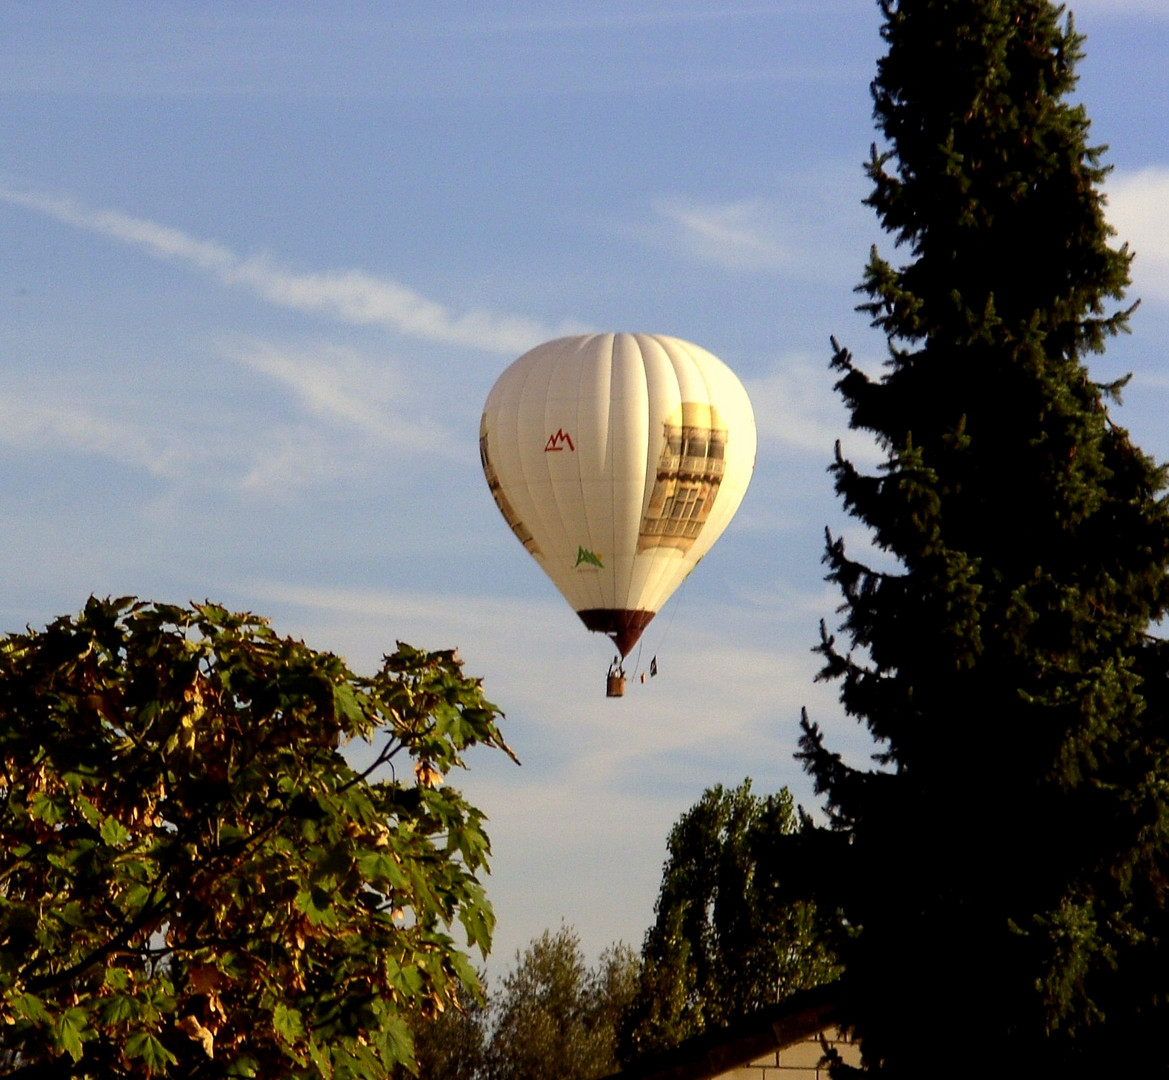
[{"x": 1006, "y": 858}]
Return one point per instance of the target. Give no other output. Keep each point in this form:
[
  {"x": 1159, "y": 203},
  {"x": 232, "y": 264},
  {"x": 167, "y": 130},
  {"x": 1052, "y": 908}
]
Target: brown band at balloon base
[{"x": 623, "y": 625}]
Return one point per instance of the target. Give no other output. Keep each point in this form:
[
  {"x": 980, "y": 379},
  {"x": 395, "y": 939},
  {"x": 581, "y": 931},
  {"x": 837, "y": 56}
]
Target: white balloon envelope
[{"x": 618, "y": 460}]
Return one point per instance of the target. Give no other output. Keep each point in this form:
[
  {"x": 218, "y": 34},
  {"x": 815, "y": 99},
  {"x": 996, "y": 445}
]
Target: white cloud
[
  {"x": 815, "y": 228},
  {"x": 743, "y": 235},
  {"x": 349, "y": 412},
  {"x": 27, "y": 423},
  {"x": 353, "y": 409},
  {"x": 690, "y": 709},
  {"x": 1137, "y": 209},
  {"x": 154, "y": 438},
  {"x": 347, "y": 390},
  {"x": 349, "y": 296},
  {"x": 797, "y": 407}
]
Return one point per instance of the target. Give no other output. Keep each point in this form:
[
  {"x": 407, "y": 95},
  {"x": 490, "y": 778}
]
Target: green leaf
[
  {"x": 116, "y": 978},
  {"x": 317, "y": 906},
  {"x": 90, "y": 812},
  {"x": 478, "y": 920},
  {"x": 74, "y": 915},
  {"x": 232, "y": 965},
  {"x": 134, "y": 898},
  {"x": 378, "y": 867},
  {"x": 113, "y": 832},
  {"x": 288, "y": 1023},
  {"x": 321, "y": 1058},
  {"x": 347, "y": 707},
  {"x": 244, "y": 1066},
  {"x": 119, "y": 1007},
  {"x": 44, "y": 808},
  {"x": 397, "y": 1042},
  {"x": 77, "y": 856},
  {"x": 30, "y": 1007},
  {"x": 144, "y": 1045},
  {"x": 67, "y": 1032},
  {"x": 406, "y": 979}
]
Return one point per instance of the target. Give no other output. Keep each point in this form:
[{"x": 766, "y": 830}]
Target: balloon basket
[{"x": 615, "y": 683}]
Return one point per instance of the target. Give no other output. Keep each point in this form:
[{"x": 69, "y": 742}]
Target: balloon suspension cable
[
  {"x": 674, "y": 610},
  {"x": 640, "y": 675},
  {"x": 653, "y": 664}
]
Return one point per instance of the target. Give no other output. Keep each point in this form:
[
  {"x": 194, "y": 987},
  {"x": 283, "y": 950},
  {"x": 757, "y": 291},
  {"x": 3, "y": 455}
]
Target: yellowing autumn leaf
[
  {"x": 426, "y": 774},
  {"x": 195, "y": 1030}
]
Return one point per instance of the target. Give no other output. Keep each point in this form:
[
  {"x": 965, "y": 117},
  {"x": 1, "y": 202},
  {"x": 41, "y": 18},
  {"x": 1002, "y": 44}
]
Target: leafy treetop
[
  {"x": 194, "y": 881},
  {"x": 550, "y": 1018},
  {"x": 725, "y": 941}
]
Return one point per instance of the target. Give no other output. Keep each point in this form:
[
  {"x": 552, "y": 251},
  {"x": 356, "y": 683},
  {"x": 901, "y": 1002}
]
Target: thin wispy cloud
[
  {"x": 741, "y": 235},
  {"x": 814, "y": 229},
  {"x": 349, "y": 391},
  {"x": 822, "y": 226},
  {"x": 29, "y": 424},
  {"x": 152, "y": 438},
  {"x": 797, "y": 409},
  {"x": 1136, "y": 209},
  {"x": 346, "y": 414},
  {"x": 348, "y": 296}
]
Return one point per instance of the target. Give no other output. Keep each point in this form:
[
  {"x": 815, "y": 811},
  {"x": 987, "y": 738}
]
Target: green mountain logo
[{"x": 583, "y": 555}]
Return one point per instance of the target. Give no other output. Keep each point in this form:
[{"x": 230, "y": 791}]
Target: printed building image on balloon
[{"x": 618, "y": 460}]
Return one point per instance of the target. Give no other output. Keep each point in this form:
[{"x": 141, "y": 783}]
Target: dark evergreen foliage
[{"x": 1006, "y": 856}]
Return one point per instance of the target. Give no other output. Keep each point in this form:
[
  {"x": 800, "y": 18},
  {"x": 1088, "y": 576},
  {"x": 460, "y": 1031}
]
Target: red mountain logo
[{"x": 559, "y": 441}]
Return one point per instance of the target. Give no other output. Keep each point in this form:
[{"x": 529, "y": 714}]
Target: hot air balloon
[{"x": 617, "y": 460}]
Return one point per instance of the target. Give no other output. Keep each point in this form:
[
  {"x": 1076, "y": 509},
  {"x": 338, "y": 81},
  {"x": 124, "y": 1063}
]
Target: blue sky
[{"x": 263, "y": 262}]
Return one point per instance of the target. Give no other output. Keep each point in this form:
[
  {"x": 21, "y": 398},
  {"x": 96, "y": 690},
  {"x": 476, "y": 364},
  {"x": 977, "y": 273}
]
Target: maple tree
[{"x": 194, "y": 881}]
